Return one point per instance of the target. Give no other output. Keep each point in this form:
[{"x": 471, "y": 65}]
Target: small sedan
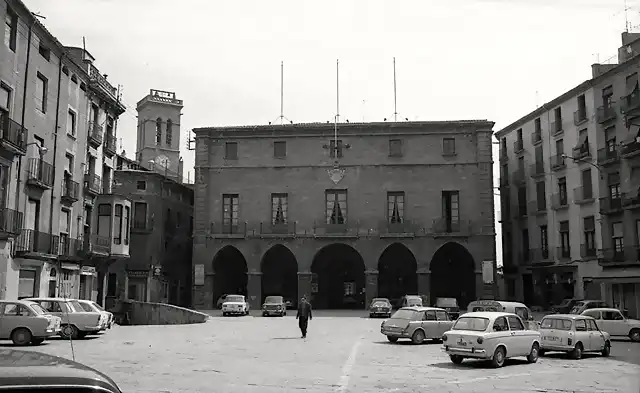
[
  {"x": 91, "y": 306},
  {"x": 25, "y": 322},
  {"x": 417, "y": 324},
  {"x": 612, "y": 321},
  {"x": 573, "y": 334},
  {"x": 235, "y": 305},
  {"x": 380, "y": 307},
  {"x": 274, "y": 305},
  {"x": 493, "y": 336}
]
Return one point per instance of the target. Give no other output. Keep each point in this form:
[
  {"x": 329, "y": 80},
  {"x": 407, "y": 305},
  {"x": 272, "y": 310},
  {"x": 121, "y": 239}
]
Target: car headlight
[{"x": 444, "y": 337}]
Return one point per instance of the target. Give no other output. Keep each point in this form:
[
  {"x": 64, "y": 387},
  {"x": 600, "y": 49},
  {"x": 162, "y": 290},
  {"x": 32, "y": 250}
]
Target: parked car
[
  {"x": 613, "y": 322},
  {"x": 493, "y": 336},
  {"x": 520, "y": 309},
  {"x": 274, "y": 305},
  {"x": 221, "y": 300},
  {"x": 582, "y": 305},
  {"x": 25, "y": 322},
  {"x": 76, "y": 323},
  {"x": 380, "y": 307},
  {"x": 417, "y": 324},
  {"x": 411, "y": 301},
  {"x": 573, "y": 334},
  {"x": 235, "y": 305},
  {"x": 450, "y": 304},
  {"x": 30, "y": 371},
  {"x": 565, "y": 306},
  {"x": 91, "y": 306}
]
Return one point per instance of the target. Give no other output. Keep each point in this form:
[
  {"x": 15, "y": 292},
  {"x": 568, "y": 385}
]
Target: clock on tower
[{"x": 163, "y": 161}]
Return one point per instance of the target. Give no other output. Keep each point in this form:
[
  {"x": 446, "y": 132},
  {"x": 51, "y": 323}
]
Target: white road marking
[
  {"x": 502, "y": 376},
  {"x": 343, "y": 384}
]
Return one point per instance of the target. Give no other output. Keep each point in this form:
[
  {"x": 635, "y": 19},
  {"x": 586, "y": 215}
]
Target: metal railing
[
  {"x": 558, "y": 162},
  {"x": 605, "y": 113},
  {"x": 536, "y": 169},
  {"x": 10, "y": 221},
  {"x": 228, "y": 228},
  {"x": 70, "y": 247},
  {"x": 40, "y": 172},
  {"x": 581, "y": 194},
  {"x": 95, "y": 133},
  {"x": 70, "y": 190},
  {"x": 630, "y": 102},
  {"x": 92, "y": 183},
  {"x": 559, "y": 201},
  {"x": 110, "y": 144},
  {"x": 536, "y": 137},
  {"x": 328, "y": 229},
  {"x": 563, "y": 253},
  {"x": 518, "y": 146},
  {"x": 608, "y": 154},
  {"x": 406, "y": 226},
  {"x": 588, "y": 251},
  {"x": 32, "y": 241},
  {"x": 270, "y": 228},
  {"x": 610, "y": 204},
  {"x": 579, "y": 116},
  {"x": 13, "y": 135}
]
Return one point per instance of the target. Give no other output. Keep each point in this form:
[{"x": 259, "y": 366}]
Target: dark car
[
  {"x": 583, "y": 305},
  {"x": 565, "y": 306},
  {"x": 274, "y": 305},
  {"x": 22, "y": 371},
  {"x": 380, "y": 307}
]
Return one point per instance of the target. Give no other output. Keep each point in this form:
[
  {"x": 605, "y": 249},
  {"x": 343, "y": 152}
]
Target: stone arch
[
  {"x": 230, "y": 273},
  {"x": 397, "y": 272},
  {"x": 338, "y": 279},
  {"x": 279, "y": 269},
  {"x": 453, "y": 274}
]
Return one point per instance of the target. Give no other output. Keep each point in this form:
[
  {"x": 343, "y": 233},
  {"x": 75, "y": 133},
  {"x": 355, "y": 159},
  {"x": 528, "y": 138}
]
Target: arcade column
[
  {"x": 370, "y": 285},
  {"x": 254, "y": 289},
  {"x": 424, "y": 282},
  {"x": 304, "y": 285}
]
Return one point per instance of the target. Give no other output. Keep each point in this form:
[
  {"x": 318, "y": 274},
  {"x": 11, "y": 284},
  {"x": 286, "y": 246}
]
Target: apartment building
[
  {"x": 566, "y": 187},
  {"x": 344, "y": 213},
  {"x": 58, "y": 127}
]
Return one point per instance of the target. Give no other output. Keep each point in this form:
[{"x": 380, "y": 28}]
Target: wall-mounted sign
[
  {"x": 487, "y": 272},
  {"x": 87, "y": 270},
  {"x": 198, "y": 274}
]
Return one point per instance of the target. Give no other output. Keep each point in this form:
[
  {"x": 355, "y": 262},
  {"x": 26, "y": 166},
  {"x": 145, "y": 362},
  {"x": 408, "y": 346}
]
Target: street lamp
[
  {"x": 42, "y": 150},
  {"x": 580, "y": 159}
]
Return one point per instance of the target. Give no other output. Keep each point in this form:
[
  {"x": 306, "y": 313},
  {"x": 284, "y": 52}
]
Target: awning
[
  {"x": 583, "y": 139},
  {"x": 632, "y": 83},
  {"x": 69, "y": 266}
]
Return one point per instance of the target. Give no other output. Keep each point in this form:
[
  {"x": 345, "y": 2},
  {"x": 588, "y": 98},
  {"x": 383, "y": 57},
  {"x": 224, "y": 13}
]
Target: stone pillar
[
  {"x": 254, "y": 289},
  {"x": 304, "y": 285},
  {"x": 424, "y": 284},
  {"x": 370, "y": 286}
]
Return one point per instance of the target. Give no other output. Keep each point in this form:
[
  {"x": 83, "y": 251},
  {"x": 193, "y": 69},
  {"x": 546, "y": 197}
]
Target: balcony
[
  {"x": 630, "y": 149},
  {"x": 610, "y": 205},
  {"x": 33, "y": 243},
  {"x": 588, "y": 251},
  {"x": 630, "y": 103},
  {"x": 581, "y": 152},
  {"x": 70, "y": 248},
  {"x": 95, "y": 134},
  {"x": 405, "y": 228},
  {"x": 281, "y": 230},
  {"x": 70, "y": 191},
  {"x": 579, "y": 117},
  {"x": 228, "y": 230},
  {"x": 346, "y": 230},
  {"x": 631, "y": 200},
  {"x": 583, "y": 195},
  {"x": 563, "y": 254},
  {"x": 538, "y": 207},
  {"x": 518, "y": 146},
  {"x": 518, "y": 177},
  {"x": 536, "y": 137},
  {"x": 110, "y": 145},
  {"x": 608, "y": 155},
  {"x": 555, "y": 128},
  {"x": 536, "y": 170},
  {"x": 447, "y": 227},
  {"x": 97, "y": 245},
  {"x": 540, "y": 256},
  {"x": 99, "y": 80},
  {"x": 558, "y": 162},
  {"x": 39, "y": 173},
  {"x": 605, "y": 114},
  {"x": 13, "y": 137},
  {"x": 10, "y": 223},
  {"x": 618, "y": 256},
  {"x": 559, "y": 201},
  {"x": 92, "y": 183}
]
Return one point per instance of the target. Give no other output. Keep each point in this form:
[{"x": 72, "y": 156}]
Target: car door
[
  {"x": 14, "y": 315},
  {"x": 596, "y": 338},
  {"x": 430, "y": 324},
  {"x": 444, "y": 322},
  {"x": 520, "y": 339},
  {"x": 614, "y": 323},
  {"x": 582, "y": 334},
  {"x": 501, "y": 334}
]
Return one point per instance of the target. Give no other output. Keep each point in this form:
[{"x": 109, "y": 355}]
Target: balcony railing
[
  {"x": 10, "y": 222},
  {"x": 588, "y": 251},
  {"x": 583, "y": 195},
  {"x": 519, "y": 177},
  {"x": 582, "y": 151},
  {"x": 406, "y": 227},
  {"x": 92, "y": 183},
  {"x": 630, "y": 149},
  {"x": 518, "y": 146},
  {"x": 558, "y": 162},
  {"x": 445, "y": 226},
  {"x": 279, "y": 229},
  {"x": 228, "y": 229},
  {"x": 539, "y": 255},
  {"x": 538, "y": 207},
  {"x": 630, "y": 102},
  {"x": 12, "y": 135},
  {"x": 110, "y": 145},
  {"x": 536, "y": 169},
  {"x": 617, "y": 255},
  {"x": 631, "y": 200},
  {"x": 40, "y": 173},
  {"x": 555, "y": 127},
  {"x": 606, "y": 155},
  {"x": 563, "y": 253},
  {"x": 536, "y": 137},
  {"x": 97, "y": 245},
  {"x": 348, "y": 229},
  {"x": 97, "y": 78},
  {"x": 579, "y": 117},
  {"x": 559, "y": 201},
  {"x": 610, "y": 204},
  {"x": 31, "y": 241},
  {"x": 95, "y": 134},
  {"x": 70, "y": 191},
  {"x": 605, "y": 113},
  {"x": 70, "y": 247}
]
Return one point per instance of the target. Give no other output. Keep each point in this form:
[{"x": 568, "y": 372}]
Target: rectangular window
[
  {"x": 11, "y": 29},
  {"x": 395, "y": 147},
  {"x": 65, "y": 222},
  {"x": 589, "y": 236},
  {"x": 4, "y": 185},
  {"x": 617, "y": 237},
  {"x": 610, "y": 139},
  {"x": 395, "y": 207},
  {"x": 41, "y": 93},
  {"x": 448, "y": 146},
  {"x": 522, "y": 201},
  {"x": 141, "y": 185},
  {"x": 525, "y": 244},
  {"x": 565, "y": 245},
  {"x": 587, "y": 185},
  {"x": 230, "y": 209},
  {"x": 139, "y": 215},
  {"x": 336, "y": 206},
  {"x": 451, "y": 210},
  {"x": 537, "y": 125},
  {"x": 127, "y": 211},
  {"x": 335, "y": 149},
  {"x": 5, "y": 98},
  {"x": 541, "y": 195},
  {"x": 582, "y": 108},
  {"x": 562, "y": 191},
  {"x": 544, "y": 241},
  {"x": 231, "y": 150},
  {"x": 117, "y": 239},
  {"x": 71, "y": 123},
  {"x": 558, "y": 119},
  {"x": 613, "y": 180},
  {"x": 279, "y": 149},
  {"x": 44, "y": 52},
  {"x": 104, "y": 220},
  {"x": 607, "y": 96},
  {"x": 279, "y": 209}
]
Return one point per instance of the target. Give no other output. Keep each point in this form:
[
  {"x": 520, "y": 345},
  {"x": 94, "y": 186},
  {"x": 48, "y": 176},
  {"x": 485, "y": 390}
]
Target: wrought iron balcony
[
  {"x": 40, "y": 173},
  {"x": 94, "y": 134},
  {"x": 538, "y": 207},
  {"x": 519, "y": 177},
  {"x": 579, "y": 117},
  {"x": 110, "y": 145},
  {"x": 610, "y": 205},
  {"x": 559, "y": 201},
  {"x": 70, "y": 191},
  {"x": 563, "y": 253},
  {"x": 536, "y": 137},
  {"x": 608, "y": 155},
  {"x": 588, "y": 251},
  {"x": 631, "y": 200},
  {"x": 10, "y": 222},
  {"x": 518, "y": 146},
  {"x": 583, "y": 195},
  {"x": 630, "y": 149},
  {"x": 348, "y": 229},
  {"x": 536, "y": 169},
  {"x": 630, "y": 102},
  {"x": 92, "y": 183},
  {"x": 618, "y": 255},
  {"x": 605, "y": 113},
  {"x": 13, "y": 136},
  {"x": 444, "y": 226},
  {"x": 69, "y": 247},
  {"x": 97, "y": 245},
  {"x": 100, "y": 80},
  {"x": 287, "y": 229},
  {"x": 30, "y": 241},
  {"x": 558, "y": 162},
  {"x": 398, "y": 229},
  {"x": 555, "y": 127},
  {"x": 228, "y": 229},
  {"x": 540, "y": 256}
]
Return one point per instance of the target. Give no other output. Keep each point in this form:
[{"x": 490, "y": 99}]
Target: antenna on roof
[
  {"x": 281, "y": 117},
  {"x": 84, "y": 49},
  {"x": 626, "y": 17}
]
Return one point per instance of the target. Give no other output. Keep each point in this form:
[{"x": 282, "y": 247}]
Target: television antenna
[{"x": 282, "y": 118}]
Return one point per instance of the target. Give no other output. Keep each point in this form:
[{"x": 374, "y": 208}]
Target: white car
[
  {"x": 25, "y": 322},
  {"x": 76, "y": 323},
  {"x": 613, "y": 322},
  {"x": 235, "y": 305},
  {"x": 91, "y": 306},
  {"x": 573, "y": 334},
  {"x": 493, "y": 336}
]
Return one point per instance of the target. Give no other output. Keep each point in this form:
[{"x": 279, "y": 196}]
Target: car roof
[
  {"x": 51, "y": 299},
  {"x": 423, "y": 308},
  {"x": 568, "y": 316},
  {"x": 602, "y": 309},
  {"x": 31, "y": 368},
  {"x": 488, "y": 314},
  {"x": 21, "y": 301}
]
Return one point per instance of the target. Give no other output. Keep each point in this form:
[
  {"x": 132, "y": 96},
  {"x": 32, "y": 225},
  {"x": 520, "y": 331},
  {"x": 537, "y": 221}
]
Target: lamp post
[{"x": 580, "y": 159}]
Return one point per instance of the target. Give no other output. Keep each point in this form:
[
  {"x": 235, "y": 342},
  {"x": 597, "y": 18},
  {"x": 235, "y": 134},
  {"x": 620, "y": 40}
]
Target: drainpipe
[{"x": 55, "y": 145}]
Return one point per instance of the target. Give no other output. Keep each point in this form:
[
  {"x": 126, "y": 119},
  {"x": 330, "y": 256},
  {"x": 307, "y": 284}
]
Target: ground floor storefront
[{"x": 620, "y": 288}]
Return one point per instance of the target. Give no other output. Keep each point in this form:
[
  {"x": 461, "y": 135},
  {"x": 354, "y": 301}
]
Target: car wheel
[
  {"x": 37, "y": 341},
  {"x": 456, "y": 359},
  {"x": 417, "y": 337},
  {"x": 634, "y": 335},
  {"x": 533, "y": 355},
  {"x": 21, "y": 336},
  {"x": 82, "y": 335},
  {"x": 224, "y": 314},
  {"x": 577, "y": 351},
  {"x": 392, "y": 339},
  {"x": 69, "y": 332},
  {"x": 606, "y": 351},
  {"x": 498, "y": 357}
]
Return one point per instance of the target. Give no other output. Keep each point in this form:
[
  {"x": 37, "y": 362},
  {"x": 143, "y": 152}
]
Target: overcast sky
[{"x": 485, "y": 59}]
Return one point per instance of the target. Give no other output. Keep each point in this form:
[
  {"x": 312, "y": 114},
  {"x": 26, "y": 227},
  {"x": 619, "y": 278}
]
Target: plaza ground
[{"x": 341, "y": 354}]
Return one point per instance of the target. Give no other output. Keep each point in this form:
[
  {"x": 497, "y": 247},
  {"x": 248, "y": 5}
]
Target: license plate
[{"x": 551, "y": 338}]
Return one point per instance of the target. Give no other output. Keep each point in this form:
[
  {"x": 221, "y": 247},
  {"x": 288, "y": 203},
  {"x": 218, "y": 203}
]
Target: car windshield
[
  {"x": 576, "y": 308},
  {"x": 38, "y": 309},
  {"x": 273, "y": 299},
  {"x": 555, "y": 323},
  {"x": 565, "y": 302},
  {"x": 404, "y": 314},
  {"x": 234, "y": 298},
  {"x": 476, "y": 324},
  {"x": 380, "y": 303},
  {"x": 376, "y": 300}
]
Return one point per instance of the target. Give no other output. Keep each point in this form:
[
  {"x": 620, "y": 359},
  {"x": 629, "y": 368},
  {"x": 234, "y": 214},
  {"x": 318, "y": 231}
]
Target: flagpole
[{"x": 335, "y": 130}]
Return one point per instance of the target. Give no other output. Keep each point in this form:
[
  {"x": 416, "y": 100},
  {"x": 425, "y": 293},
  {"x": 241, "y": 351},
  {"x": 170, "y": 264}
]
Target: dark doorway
[
  {"x": 397, "y": 274},
  {"x": 230, "y": 273},
  {"x": 453, "y": 274},
  {"x": 338, "y": 278},
  {"x": 279, "y": 273},
  {"x": 527, "y": 289}
]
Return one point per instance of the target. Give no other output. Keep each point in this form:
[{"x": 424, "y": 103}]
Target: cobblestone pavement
[{"x": 341, "y": 354}]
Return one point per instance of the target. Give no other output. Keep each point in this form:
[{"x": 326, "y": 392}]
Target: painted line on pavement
[
  {"x": 501, "y": 376},
  {"x": 343, "y": 384}
]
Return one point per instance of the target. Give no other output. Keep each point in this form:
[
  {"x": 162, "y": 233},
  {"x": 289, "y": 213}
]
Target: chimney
[{"x": 180, "y": 169}]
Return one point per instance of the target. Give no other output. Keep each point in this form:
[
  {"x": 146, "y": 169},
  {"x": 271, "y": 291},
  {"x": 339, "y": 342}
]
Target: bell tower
[{"x": 158, "y": 141}]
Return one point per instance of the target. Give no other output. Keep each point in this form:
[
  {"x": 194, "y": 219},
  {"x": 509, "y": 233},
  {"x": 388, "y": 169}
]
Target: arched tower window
[
  {"x": 169, "y": 132},
  {"x": 158, "y": 131}
]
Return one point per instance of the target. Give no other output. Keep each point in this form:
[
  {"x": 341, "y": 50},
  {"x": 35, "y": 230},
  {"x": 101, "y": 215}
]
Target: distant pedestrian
[{"x": 304, "y": 315}]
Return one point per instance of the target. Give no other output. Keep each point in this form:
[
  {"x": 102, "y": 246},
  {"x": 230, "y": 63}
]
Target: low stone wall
[{"x": 145, "y": 313}]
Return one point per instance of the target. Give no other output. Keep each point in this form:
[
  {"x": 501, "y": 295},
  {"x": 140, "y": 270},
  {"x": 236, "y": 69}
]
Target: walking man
[{"x": 304, "y": 315}]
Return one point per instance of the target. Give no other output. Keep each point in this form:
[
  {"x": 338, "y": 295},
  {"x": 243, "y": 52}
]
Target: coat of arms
[{"x": 336, "y": 174}]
